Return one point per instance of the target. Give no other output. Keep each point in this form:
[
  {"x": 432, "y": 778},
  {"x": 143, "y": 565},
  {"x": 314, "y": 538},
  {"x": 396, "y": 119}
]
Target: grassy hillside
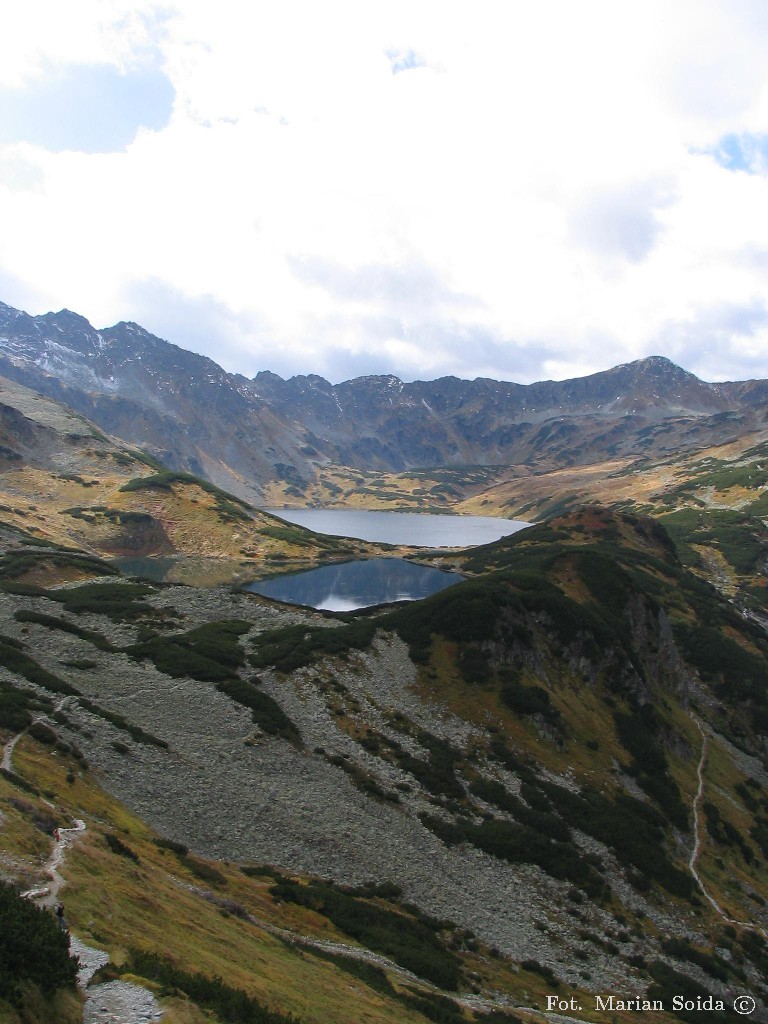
[
  {"x": 65, "y": 485},
  {"x": 172, "y": 920}
]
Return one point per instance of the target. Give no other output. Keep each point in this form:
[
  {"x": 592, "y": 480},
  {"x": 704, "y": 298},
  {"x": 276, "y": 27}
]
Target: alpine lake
[
  {"x": 344, "y": 586},
  {"x": 348, "y": 586}
]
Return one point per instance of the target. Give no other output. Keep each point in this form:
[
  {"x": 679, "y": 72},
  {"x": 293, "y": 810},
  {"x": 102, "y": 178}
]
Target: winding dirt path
[
  {"x": 116, "y": 1002},
  {"x": 48, "y": 895},
  {"x": 698, "y": 840}
]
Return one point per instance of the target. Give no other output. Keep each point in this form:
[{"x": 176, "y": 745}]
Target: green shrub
[
  {"x": 681, "y": 949},
  {"x": 229, "y": 1004},
  {"x": 631, "y": 828},
  {"x": 294, "y": 647},
  {"x": 17, "y": 706},
  {"x": 433, "y": 1006},
  {"x": 121, "y": 602},
  {"x": 520, "y": 844},
  {"x": 172, "y": 845},
  {"x": 134, "y": 731},
  {"x": 668, "y": 983},
  {"x": 548, "y": 824},
  {"x": 228, "y": 507},
  {"x": 33, "y": 949},
  {"x": 54, "y": 622},
  {"x": 116, "y": 845},
  {"x": 15, "y": 660},
  {"x": 638, "y": 732},
  {"x": 202, "y": 869},
  {"x": 410, "y": 943},
  {"x": 529, "y": 700},
  {"x": 211, "y": 652},
  {"x": 265, "y": 710},
  {"x": 370, "y": 975},
  {"x": 541, "y": 969}
]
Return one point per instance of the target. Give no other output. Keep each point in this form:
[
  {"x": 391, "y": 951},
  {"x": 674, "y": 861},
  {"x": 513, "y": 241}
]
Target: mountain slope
[
  {"x": 63, "y": 482},
  {"x": 244, "y": 435},
  {"x": 520, "y": 754}
]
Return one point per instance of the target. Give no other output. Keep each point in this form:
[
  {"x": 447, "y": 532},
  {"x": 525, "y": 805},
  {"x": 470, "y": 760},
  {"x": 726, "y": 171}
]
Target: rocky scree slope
[{"x": 519, "y": 752}]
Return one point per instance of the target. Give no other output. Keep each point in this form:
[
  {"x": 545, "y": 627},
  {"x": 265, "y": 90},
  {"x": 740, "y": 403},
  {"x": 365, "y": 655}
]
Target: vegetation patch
[
  {"x": 229, "y": 1004},
  {"x": 414, "y": 944},
  {"x": 228, "y": 507},
  {"x": 15, "y": 660},
  {"x": 18, "y": 705},
  {"x": 54, "y": 622},
  {"x": 265, "y": 711},
  {"x": 742, "y": 538},
  {"x": 33, "y": 949},
  {"x": 134, "y": 731},
  {"x": 370, "y": 975},
  {"x": 294, "y": 647},
  {"x": 116, "y": 845},
  {"x": 202, "y": 869},
  {"x": 362, "y": 779},
  {"x": 547, "y": 823},
  {"x": 521, "y": 844},
  {"x": 530, "y": 700},
  {"x": 210, "y": 652},
  {"x": 639, "y": 734},
  {"x": 121, "y": 602},
  {"x": 632, "y": 829},
  {"x": 17, "y": 563}
]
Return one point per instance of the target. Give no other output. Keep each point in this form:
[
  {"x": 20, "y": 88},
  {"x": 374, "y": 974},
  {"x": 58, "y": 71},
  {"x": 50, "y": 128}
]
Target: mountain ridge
[{"x": 247, "y": 435}]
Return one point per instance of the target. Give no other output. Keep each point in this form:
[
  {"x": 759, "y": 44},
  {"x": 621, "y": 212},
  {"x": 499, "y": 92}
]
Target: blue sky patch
[
  {"x": 404, "y": 60},
  {"x": 91, "y": 109},
  {"x": 744, "y": 152}
]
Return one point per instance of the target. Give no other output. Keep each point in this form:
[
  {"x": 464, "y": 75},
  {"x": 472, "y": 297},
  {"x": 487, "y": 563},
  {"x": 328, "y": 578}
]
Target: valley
[{"x": 549, "y": 779}]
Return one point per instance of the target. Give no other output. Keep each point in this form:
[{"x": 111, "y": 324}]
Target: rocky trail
[
  {"x": 116, "y": 1002},
  {"x": 697, "y": 841}
]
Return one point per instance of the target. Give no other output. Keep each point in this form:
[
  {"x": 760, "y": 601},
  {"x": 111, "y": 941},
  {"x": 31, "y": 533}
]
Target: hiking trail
[
  {"x": 698, "y": 840},
  {"x": 115, "y": 1002}
]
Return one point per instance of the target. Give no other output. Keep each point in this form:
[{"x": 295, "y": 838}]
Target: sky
[{"x": 517, "y": 189}]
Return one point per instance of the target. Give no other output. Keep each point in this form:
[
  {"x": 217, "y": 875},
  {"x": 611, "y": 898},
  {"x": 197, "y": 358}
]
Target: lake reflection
[{"x": 351, "y": 585}]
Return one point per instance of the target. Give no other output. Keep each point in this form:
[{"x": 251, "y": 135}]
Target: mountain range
[
  {"x": 546, "y": 782},
  {"x": 270, "y": 436}
]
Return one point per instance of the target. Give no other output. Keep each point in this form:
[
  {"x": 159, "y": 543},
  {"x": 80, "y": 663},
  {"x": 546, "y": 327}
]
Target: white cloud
[{"x": 515, "y": 190}]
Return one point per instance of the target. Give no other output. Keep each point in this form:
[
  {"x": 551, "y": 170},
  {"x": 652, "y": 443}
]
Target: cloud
[
  {"x": 201, "y": 324},
  {"x": 621, "y": 221},
  {"x": 522, "y": 190},
  {"x": 406, "y": 288},
  {"x": 723, "y": 341}
]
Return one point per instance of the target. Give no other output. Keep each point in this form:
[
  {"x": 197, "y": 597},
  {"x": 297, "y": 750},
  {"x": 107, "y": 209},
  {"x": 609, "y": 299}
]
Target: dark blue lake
[{"x": 351, "y": 585}]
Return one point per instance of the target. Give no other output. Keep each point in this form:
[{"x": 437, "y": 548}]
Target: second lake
[{"x": 351, "y": 585}]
